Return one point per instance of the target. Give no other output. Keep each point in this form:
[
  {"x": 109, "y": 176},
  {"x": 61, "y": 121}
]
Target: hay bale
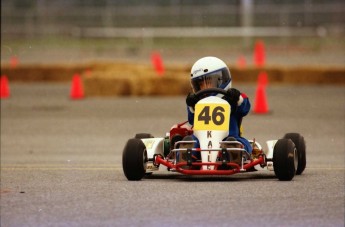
[
  {"x": 124, "y": 79},
  {"x": 47, "y": 73},
  {"x": 135, "y": 80}
]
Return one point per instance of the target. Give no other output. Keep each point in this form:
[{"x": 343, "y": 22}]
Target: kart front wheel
[
  {"x": 299, "y": 142},
  {"x": 285, "y": 159},
  {"x": 134, "y": 159},
  {"x": 143, "y": 136}
]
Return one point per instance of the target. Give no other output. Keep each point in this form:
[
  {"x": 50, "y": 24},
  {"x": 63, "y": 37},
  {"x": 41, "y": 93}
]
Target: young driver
[{"x": 211, "y": 72}]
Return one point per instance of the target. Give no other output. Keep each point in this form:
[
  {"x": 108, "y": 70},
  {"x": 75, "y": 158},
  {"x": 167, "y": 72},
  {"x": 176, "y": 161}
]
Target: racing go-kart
[{"x": 144, "y": 154}]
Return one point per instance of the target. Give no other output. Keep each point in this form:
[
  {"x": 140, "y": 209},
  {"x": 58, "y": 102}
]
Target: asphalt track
[{"x": 61, "y": 163}]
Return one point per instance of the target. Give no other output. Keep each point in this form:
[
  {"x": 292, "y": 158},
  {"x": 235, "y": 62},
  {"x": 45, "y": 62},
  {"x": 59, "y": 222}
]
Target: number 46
[{"x": 217, "y": 116}]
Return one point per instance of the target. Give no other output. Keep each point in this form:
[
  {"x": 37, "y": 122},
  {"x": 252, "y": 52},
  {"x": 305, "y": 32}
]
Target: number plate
[{"x": 210, "y": 116}]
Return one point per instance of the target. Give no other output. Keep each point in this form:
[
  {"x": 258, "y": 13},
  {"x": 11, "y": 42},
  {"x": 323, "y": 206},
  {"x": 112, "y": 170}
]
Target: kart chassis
[{"x": 222, "y": 167}]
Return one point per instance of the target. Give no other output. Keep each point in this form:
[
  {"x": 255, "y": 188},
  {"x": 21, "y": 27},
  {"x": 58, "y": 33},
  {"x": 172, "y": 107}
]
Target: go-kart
[{"x": 144, "y": 154}]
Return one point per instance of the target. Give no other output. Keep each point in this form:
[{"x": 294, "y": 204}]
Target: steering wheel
[{"x": 200, "y": 93}]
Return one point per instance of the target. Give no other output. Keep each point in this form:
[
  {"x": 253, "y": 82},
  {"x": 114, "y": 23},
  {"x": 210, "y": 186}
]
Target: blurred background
[{"x": 295, "y": 32}]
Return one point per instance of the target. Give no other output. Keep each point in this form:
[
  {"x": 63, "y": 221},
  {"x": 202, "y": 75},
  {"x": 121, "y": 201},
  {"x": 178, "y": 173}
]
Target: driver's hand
[
  {"x": 232, "y": 96},
  {"x": 191, "y": 100}
]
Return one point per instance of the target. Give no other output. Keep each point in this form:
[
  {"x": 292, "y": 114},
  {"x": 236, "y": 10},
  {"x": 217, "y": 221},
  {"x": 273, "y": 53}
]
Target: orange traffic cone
[
  {"x": 260, "y": 103},
  {"x": 263, "y": 78},
  {"x": 14, "y": 62},
  {"x": 77, "y": 91},
  {"x": 157, "y": 63},
  {"x": 259, "y": 54},
  {"x": 241, "y": 62},
  {"x": 4, "y": 87}
]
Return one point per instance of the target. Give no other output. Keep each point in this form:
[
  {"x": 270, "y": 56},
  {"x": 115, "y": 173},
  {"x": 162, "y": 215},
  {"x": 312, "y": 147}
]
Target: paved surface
[{"x": 61, "y": 163}]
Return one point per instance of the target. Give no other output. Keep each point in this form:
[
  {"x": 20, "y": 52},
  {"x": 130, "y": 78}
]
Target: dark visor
[{"x": 218, "y": 79}]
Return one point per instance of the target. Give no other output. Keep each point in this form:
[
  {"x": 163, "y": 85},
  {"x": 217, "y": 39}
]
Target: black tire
[
  {"x": 134, "y": 159},
  {"x": 143, "y": 136},
  {"x": 284, "y": 159},
  {"x": 301, "y": 150}
]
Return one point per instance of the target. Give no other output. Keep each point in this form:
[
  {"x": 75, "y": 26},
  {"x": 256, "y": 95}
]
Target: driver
[{"x": 211, "y": 72}]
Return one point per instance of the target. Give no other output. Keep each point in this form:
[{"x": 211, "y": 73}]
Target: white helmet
[{"x": 210, "y": 72}]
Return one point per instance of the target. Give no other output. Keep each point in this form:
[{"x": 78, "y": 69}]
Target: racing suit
[{"x": 237, "y": 113}]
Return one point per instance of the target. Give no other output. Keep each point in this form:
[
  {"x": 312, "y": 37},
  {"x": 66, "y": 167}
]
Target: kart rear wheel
[
  {"x": 299, "y": 142},
  {"x": 134, "y": 159},
  {"x": 285, "y": 159},
  {"x": 143, "y": 136}
]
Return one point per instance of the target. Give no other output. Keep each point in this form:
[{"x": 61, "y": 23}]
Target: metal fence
[{"x": 32, "y": 18}]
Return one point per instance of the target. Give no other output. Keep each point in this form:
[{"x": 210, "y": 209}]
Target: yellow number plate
[{"x": 212, "y": 117}]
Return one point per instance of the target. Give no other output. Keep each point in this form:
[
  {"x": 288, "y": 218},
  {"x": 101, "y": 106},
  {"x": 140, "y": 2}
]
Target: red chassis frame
[
  {"x": 180, "y": 131},
  {"x": 235, "y": 167}
]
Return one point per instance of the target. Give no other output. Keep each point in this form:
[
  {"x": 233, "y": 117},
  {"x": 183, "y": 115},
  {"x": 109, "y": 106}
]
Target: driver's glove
[
  {"x": 232, "y": 96},
  {"x": 191, "y": 100}
]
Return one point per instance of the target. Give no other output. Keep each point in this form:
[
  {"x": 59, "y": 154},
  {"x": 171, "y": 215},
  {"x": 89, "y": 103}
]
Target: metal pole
[
  {"x": 247, "y": 13},
  {"x": 247, "y": 19}
]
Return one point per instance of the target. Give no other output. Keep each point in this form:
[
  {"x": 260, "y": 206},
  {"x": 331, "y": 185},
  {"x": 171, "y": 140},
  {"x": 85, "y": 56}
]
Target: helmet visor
[{"x": 217, "y": 79}]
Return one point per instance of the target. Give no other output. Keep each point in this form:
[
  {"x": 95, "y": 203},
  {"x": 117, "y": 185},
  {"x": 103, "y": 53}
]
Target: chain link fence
[
  {"x": 308, "y": 32},
  {"x": 32, "y": 18}
]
